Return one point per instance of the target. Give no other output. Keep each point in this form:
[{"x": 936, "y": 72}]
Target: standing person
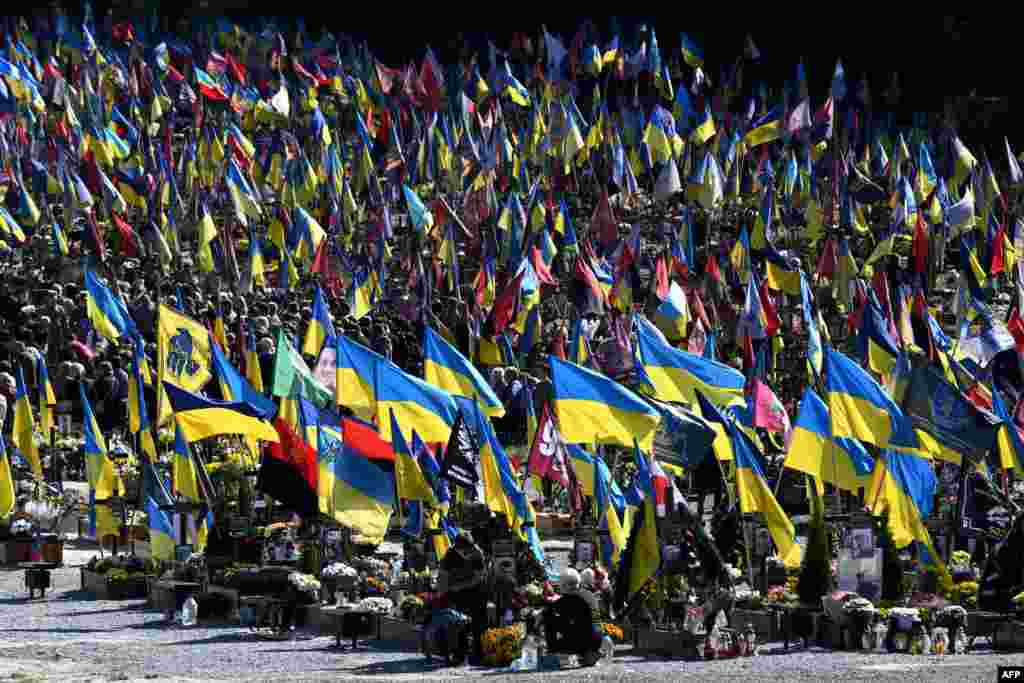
[{"x": 465, "y": 567}]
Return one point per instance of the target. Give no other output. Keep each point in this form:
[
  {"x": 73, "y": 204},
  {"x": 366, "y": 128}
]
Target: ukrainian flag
[
  {"x": 756, "y": 496},
  {"x": 607, "y": 515},
  {"x": 355, "y": 383},
  {"x": 161, "y": 531},
  {"x": 501, "y": 491},
  {"x": 692, "y": 53},
  {"x": 579, "y": 347},
  {"x": 431, "y": 472},
  {"x": 7, "y": 497},
  {"x": 705, "y": 130},
  {"x": 844, "y": 463},
  {"x": 874, "y": 340},
  {"x": 24, "y": 427},
  {"x": 592, "y": 408},
  {"x": 47, "y": 400},
  {"x": 860, "y": 408},
  {"x": 253, "y": 372},
  {"x": 106, "y": 312},
  {"x": 673, "y": 315},
  {"x": 60, "y": 241},
  {"x": 101, "y": 519},
  {"x": 199, "y": 417},
  {"x": 903, "y": 488},
  {"x": 446, "y": 368},
  {"x": 739, "y": 257},
  {"x": 410, "y": 483},
  {"x": 641, "y": 560},
  {"x": 1008, "y": 437},
  {"x": 235, "y": 387},
  {"x": 320, "y": 329},
  {"x": 364, "y": 490},
  {"x": 416, "y": 405},
  {"x": 184, "y": 477},
  {"x": 100, "y": 470},
  {"x": 766, "y": 129},
  {"x": 676, "y": 375}
]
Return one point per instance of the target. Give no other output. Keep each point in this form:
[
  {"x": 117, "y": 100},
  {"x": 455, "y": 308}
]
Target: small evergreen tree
[{"x": 816, "y": 573}]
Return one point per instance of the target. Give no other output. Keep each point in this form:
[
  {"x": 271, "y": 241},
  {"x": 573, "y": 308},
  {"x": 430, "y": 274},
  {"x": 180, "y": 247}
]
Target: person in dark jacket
[{"x": 465, "y": 567}]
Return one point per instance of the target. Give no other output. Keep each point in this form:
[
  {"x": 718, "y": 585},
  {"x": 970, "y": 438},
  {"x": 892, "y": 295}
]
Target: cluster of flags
[{"x": 513, "y": 146}]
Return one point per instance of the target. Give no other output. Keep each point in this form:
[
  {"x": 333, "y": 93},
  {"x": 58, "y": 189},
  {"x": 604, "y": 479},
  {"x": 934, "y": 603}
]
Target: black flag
[{"x": 459, "y": 466}]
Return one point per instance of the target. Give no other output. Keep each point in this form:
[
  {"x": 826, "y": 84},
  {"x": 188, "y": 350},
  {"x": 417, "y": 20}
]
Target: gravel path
[{"x": 69, "y": 637}]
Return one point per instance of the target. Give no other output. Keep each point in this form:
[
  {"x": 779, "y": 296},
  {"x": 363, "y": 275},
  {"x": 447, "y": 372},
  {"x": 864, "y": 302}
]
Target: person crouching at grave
[
  {"x": 465, "y": 567},
  {"x": 570, "y": 623},
  {"x": 448, "y": 632}
]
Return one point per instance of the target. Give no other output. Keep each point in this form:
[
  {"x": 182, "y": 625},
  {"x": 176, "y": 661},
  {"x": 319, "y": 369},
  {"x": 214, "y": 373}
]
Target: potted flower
[
  {"x": 960, "y": 567},
  {"x": 502, "y": 646}
]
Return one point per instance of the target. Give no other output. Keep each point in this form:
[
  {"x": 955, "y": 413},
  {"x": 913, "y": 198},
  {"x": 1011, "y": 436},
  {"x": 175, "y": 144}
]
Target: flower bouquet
[
  {"x": 375, "y": 605},
  {"x": 613, "y": 631},
  {"x": 375, "y": 586},
  {"x": 305, "y": 584},
  {"x": 502, "y": 646}
]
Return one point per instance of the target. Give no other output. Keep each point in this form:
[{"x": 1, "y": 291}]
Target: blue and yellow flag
[
  {"x": 676, "y": 375},
  {"x": 1008, "y": 437},
  {"x": 447, "y": 369},
  {"x": 107, "y": 313},
  {"x": 364, "y": 490},
  {"x": 47, "y": 400},
  {"x": 874, "y": 341},
  {"x": 844, "y": 463},
  {"x": 236, "y": 388},
  {"x": 593, "y": 409},
  {"x": 184, "y": 478},
  {"x": 642, "y": 559},
  {"x": 417, "y": 405},
  {"x": 903, "y": 487},
  {"x": 673, "y": 315},
  {"x": 356, "y": 375},
  {"x": 161, "y": 531},
  {"x": 756, "y": 496},
  {"x": 410, "y": 483},
  {"x": 103, "y": 479},
  {"x": 24, "y": 427},
  {"x": 7, "y": 498},
  {"x": 199, "y": 417},
  {"x": 859, "y": 407}
]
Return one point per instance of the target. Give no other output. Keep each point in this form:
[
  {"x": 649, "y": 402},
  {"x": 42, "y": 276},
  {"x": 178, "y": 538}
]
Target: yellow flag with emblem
[{"x": 184, "y": 356}]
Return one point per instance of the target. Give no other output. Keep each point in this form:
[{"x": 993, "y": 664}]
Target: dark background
[{"x": 940, "y": 59}]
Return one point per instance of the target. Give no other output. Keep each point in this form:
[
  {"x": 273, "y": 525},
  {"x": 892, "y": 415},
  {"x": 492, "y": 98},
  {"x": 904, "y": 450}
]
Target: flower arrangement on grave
[
  {"x": 502, "y": 646},
  {"x": 304, "y": 583},
  {"x": 375, "y": 605},
  {"x": 613, "y": 631},
  {"x": 375, "y": 586},
  {"x": 337, "y": 570}
]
